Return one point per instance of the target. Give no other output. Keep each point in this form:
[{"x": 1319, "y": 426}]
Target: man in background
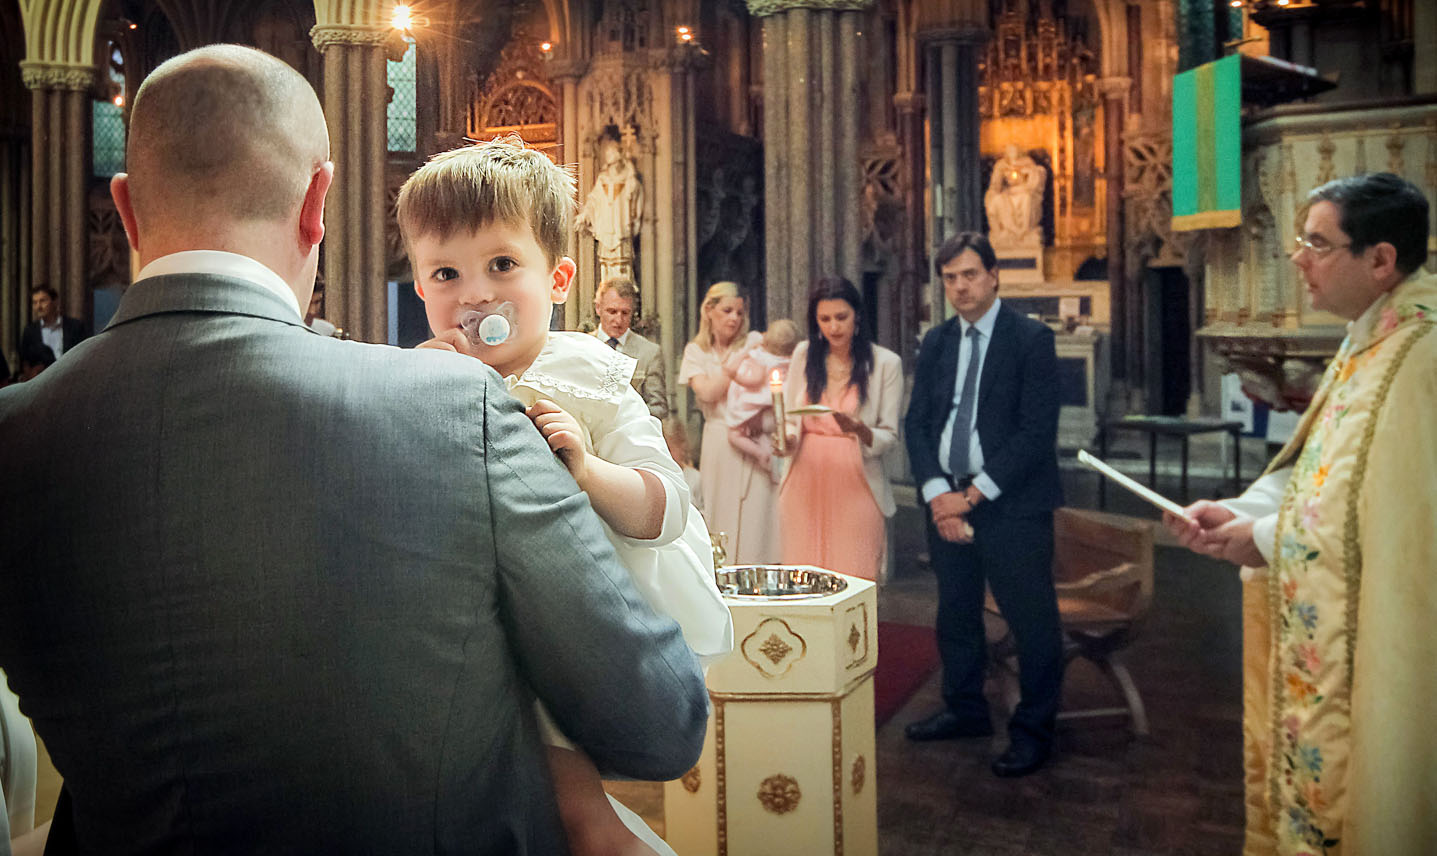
[
  {"x": 615, "y": 301},
  {"x": 49, "y": 328},
  {"x": 982, "y": 434},
  {"x": 263, "y": 591}
]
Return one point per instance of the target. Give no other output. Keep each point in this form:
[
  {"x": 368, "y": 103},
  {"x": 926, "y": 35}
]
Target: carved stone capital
[
  {"x": 347, "y": 34},
  {"x": 566, "y": 70},
  {"x": 762, "y": 8},
  {"x": 54, "y": 75},
  {"x": 1115, "y": 87}
]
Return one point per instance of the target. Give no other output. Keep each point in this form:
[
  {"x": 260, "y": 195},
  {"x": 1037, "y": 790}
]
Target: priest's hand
[
  {"x": 1195, "y": 529},
  {"x": 1235, "y": 543}
]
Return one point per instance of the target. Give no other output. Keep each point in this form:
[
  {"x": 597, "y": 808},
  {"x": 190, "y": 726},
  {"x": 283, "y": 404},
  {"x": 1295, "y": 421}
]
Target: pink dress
[{"x": 826, "y": 511}]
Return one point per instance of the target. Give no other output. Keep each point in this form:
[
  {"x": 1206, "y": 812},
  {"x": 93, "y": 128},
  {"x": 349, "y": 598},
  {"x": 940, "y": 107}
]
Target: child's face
[{"x": 498, "y": 262}]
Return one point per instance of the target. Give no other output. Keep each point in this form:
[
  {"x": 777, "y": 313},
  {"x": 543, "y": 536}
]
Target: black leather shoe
[
  {"x": 947, "y": 725},
  {"x": 1023, "y": 757}
]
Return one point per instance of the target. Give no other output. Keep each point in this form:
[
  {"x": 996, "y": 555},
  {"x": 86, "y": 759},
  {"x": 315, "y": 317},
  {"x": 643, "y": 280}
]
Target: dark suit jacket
[
  {"x": 72, "y": 333},
  {"x": 266, "y": 591},
  {"x": 1017, "y": 406}
]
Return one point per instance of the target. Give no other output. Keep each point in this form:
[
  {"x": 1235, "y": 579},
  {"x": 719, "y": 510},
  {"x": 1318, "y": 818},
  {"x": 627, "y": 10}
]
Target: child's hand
[
  {"x": 450, "y": 340},
  {"x": 565, "y": 438}
]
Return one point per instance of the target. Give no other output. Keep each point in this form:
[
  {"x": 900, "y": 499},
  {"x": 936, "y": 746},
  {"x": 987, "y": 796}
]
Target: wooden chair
[{"x": 1103, "y": 571}]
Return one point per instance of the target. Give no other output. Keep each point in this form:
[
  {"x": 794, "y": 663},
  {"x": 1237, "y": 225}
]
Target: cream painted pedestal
[{"x": 788, "y": 766}]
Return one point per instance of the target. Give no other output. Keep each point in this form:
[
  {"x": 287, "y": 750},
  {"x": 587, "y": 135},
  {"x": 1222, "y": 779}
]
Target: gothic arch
[{"x": 60, "y": 32}]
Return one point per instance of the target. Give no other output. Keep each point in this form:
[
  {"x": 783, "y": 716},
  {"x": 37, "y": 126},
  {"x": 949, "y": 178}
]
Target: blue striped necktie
[{"x": 963, "y": 421}]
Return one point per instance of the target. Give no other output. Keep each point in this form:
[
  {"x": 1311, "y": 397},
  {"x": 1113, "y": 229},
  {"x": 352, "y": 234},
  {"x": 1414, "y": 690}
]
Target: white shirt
[
  {"x": 53, "y": 335},
  {"x": 989, "y": 488},
  {"x": 220, "y": 263},
  {"x": 604, "y": 337}
]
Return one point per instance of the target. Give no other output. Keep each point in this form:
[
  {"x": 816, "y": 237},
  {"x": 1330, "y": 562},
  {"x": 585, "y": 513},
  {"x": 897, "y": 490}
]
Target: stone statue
[
  {"x": 612, "y": 212},
  {"x": 1014, "y": 200}
]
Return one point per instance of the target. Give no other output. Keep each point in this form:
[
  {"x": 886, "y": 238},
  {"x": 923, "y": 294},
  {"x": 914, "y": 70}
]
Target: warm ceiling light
[
  {"x": 134, "y": 26},
  {"x": 1282, "y": 2},
  {"x": 119, "y": 101},
  {"x": 1236, "y": 4},
  {"x": 546, "y": 47},
  {"x": 402, "y": 18}
]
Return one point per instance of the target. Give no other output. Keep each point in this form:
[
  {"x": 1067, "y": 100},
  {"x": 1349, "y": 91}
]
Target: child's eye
[
  {"x": 445, "y": 274},
  {"x": 503, "y": 264}
]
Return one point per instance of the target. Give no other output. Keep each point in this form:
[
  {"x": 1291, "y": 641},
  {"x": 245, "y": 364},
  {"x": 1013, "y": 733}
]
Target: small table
[{"x": 1171, "y": 426}]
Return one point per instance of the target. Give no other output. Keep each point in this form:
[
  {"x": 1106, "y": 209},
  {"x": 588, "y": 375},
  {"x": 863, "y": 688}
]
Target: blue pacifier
[{"x": 489, "y": 326}]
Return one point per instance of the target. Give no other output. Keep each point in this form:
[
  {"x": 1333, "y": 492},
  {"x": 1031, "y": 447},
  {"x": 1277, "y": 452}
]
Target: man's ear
[
  {"x": 120, "y": 192},
  {"x": 1384, "y": 263},
  {"x": 563, "y": 280},
  {"x": 311, "y": 211}
]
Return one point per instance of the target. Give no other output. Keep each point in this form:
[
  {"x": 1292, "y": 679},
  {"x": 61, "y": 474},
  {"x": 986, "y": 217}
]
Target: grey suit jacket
[
  {"x": 265, "y": 591},
  {"x": 649, "y": 375}
]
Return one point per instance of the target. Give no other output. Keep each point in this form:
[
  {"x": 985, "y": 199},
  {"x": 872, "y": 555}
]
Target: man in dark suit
[
  {"x": 982, "y": 435},
  {"x": 267, "y": 591},
  {"x": 49, "y": 328}
]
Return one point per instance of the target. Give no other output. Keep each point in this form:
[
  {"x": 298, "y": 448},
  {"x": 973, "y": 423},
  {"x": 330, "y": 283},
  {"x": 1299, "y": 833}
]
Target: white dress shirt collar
[
  {"x": 604, "y": 337},
  {"x": 220, "y": 263},
  {"x": 984, "y": 324}
]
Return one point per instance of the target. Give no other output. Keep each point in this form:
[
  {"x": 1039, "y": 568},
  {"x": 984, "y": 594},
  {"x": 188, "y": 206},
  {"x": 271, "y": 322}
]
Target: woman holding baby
[
  {"x": 738, "y": 492},
  {"x": 833, "y": 502}
]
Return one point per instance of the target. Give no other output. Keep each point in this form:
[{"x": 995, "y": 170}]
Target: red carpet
[{"x": 907, "y": 655}]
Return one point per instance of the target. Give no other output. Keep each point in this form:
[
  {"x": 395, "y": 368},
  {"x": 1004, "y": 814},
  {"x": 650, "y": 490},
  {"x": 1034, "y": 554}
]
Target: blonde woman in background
[{"x": 739, "y": 498}]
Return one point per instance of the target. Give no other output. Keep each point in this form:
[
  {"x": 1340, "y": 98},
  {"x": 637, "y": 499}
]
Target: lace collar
[{"x": 576, "y": 370}]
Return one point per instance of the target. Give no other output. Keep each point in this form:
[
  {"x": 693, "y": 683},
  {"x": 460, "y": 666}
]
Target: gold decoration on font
[
  {"x": 692, "y": 780},
  {"x": 775, "y": 648},
  {"x": 779, "y": 793}
]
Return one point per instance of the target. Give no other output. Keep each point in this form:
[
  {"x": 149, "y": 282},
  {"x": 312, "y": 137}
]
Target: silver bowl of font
[{"x": 777, "y": 582}]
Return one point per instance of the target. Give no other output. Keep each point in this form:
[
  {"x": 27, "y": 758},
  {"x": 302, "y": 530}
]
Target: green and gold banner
[{"x": 1207, "y": 146}]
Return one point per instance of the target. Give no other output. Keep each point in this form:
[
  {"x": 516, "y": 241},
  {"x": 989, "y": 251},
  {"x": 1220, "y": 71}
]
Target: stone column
[
  {"x": 565, "y": 74},
  {"x": 356, "y": 91},
  {"x": 1125, "y": 353},
  {"x": 59, "y": 180},
  {"x": 955, "y": 161},
  {"x": 912, "y": 272},
  {"x": 811, "y": 50}
]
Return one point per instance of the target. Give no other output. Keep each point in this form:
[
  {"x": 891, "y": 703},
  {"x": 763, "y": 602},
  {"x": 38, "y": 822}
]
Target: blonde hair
[
  {"x": 705, "y": 336},
  {"x": 781, "y": 338},
  {"x": 501, "y": 181},
  {"x": 620, "y": 285}
]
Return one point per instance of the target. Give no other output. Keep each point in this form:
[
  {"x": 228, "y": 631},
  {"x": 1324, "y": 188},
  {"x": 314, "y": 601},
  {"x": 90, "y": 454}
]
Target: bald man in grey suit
[{"x": 264, "y": 591}]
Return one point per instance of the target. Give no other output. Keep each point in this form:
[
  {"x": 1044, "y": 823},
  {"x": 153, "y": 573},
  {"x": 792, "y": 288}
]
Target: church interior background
[{"x": 773, "y": 141}]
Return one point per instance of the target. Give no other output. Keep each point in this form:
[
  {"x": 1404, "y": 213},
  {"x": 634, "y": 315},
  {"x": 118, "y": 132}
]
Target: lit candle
[{"x": 780, "y": 430}]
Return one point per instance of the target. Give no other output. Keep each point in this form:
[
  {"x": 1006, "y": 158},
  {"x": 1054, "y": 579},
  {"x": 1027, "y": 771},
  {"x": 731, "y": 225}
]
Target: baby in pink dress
[{"x": 750, "y": 397}]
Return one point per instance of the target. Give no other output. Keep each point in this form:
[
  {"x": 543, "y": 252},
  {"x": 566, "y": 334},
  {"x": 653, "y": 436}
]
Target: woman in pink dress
[
  {"x": 738, "y": 496},
  {"x": 833, "y": 502}
]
